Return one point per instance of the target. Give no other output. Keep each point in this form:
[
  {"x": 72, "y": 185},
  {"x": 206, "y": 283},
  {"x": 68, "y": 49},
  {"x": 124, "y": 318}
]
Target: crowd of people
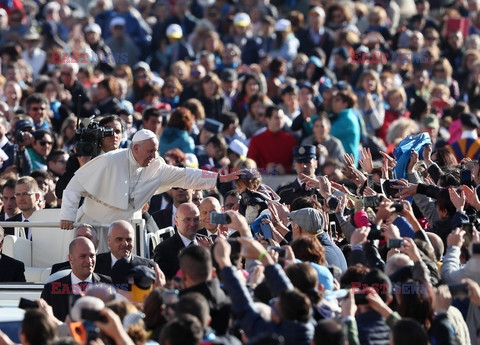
[{"x": 174, "y": 110}]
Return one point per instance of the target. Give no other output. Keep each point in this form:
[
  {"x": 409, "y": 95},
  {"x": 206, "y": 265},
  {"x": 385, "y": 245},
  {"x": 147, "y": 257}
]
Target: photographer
[
  {"x": 18, "y": 159},
  {"x": 101, "y": 137}
]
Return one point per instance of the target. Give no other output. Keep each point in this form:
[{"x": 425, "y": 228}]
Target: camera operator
[
  {"x": 18, "y": 159},
  {"x": 96, "y": 138}
]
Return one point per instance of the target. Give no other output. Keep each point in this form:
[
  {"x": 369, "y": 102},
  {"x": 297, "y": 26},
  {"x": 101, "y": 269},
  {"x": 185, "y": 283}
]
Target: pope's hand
[{"x": 66, "y": 225}]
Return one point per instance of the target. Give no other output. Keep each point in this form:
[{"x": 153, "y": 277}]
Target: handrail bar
[{"x": 6, "y": 224}]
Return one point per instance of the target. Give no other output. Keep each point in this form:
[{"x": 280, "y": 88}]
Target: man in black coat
[
  {"x": 82, "y": 260},
  {"x": 187, "y": 222},
  {"x": 196, "y": 265},
  {"x": 11, "y": 270},
  {"x": 316, "y": 35},
  {"x": 305, "y": 162},
  {"x": 121, "y": 241},
  {"x": 164, "y": 218}
]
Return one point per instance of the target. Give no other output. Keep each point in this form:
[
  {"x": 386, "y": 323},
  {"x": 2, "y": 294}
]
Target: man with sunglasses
[{"x": 37, "y": 108}]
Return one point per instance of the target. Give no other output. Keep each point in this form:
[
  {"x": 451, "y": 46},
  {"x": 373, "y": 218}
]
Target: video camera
[{"x": 89, "y": 136}]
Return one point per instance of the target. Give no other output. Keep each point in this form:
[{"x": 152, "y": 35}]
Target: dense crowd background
[{"x": 378, "y": 226}]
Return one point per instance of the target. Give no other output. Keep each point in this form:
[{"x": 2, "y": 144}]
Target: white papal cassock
[{"x": 109, "y": 181}]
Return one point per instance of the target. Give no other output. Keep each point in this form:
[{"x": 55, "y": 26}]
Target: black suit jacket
[
  {"x": 15, "y": 218},
  {"x": 60, "y": 266},
  {"x": 203, "y": 231},
  {"x": 57, "y": 293},
  {"x": 104, "y": 263},
  {"x": 166, "y": 255},
  {"x": 11, "y": 270},
  {"x": 293, "y": 190},
  {"x": 163, "y": 218}
]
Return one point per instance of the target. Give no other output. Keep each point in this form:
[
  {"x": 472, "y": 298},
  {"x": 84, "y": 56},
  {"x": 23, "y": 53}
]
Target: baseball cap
[
  {"x": 93, "y": 28},
  {"x": 317, "y": 10},
  {"x": 174, "y": 31},
  {"x": 23, "y": 124},
  {"x": 309, "y": 219},
  {"x": 241, "y": 19},
  {"x": 283, "y": 25},
  {"x": 117, "y": 21},
  {"x": 213, "y": 126},
  {"x": 430, "y": 121}
]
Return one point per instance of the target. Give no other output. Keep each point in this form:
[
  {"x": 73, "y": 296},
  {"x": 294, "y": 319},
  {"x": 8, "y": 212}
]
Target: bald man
[
  {"x": 82, "y": 260},
  {"x": 187, "y": 221},
  {"x": 83, "y": 230},
  {"x": 208, "y": 205},
  {"x": 121, "y": 241}
]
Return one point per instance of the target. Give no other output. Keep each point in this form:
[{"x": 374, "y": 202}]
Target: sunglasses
[{"x": 45, "y": 143}]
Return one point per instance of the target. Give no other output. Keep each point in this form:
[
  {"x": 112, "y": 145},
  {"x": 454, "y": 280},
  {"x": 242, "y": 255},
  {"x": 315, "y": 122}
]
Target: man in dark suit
[
  {"x": 316, "y": 34},
  {"x": 83, "y": 230},
  {"x": 187, "y": 222},
  {"x": 305, "y": 163},
  {"x": 196, "y": 265},
  {"x": 10, "y": 207},
  {"x": 27, "y": 195},
  {"x": 164, "y": 218},
  {"x": 82, "y": 260},
  {"x": 211, "y": 231},
  {"x": 121, "y": 241},
  {"x": 11, "y": 270}
]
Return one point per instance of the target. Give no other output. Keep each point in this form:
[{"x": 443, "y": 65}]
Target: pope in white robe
[{"x": 117, "y": 184}]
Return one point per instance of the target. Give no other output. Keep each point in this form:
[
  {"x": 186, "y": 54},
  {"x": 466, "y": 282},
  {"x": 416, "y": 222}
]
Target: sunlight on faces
[{"x": 120, "y": 240}]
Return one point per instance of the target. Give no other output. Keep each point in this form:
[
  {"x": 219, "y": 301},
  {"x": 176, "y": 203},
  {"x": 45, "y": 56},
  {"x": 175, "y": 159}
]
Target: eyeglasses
[
  {"x": 38, "y": 108},
  {"x": 24, "y": 195},
  {"x": 170, "y": 87},
  {"x": 45, "y": 143},
  {"x": 66, "y": 73},
  {"x": 430, "y": 38},
  {"x": 189, "y": 220}
]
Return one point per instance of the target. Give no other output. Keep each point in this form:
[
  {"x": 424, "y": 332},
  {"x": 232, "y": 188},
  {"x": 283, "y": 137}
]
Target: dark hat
[
  {"x": 143, "y": 276},
  {"x": 229, "y": 74},
  {"x": 307, "y": 85},
  {"x": 304, "y": 153},
  {"x": 430, "y": 121},
  {"x": 23, "y": 124},
  {"x": 309, "y": 219},
  {"x": 343, "y": 52},
  {"x": 289, "y": 89},
  {"x": 213, "y": 126},
  {"x": 469, "y": 120},
  {"x": 119, "y": 273}
]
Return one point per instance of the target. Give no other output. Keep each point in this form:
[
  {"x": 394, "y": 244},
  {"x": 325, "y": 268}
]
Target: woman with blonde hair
[
  {"x": 442, "y": 72},
  {"x": 370, "y": 100}
]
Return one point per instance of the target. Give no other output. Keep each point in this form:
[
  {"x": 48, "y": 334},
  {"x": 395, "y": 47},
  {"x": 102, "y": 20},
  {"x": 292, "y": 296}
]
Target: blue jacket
[
  {"x": 346, "y": 128},
  {"x": 333, "y": 254},
  {"x": 404, "y": 150},
  {"x": 372, "y": 329},
  {"x": 176, "y": 138},
  {"x": 295, "y": 333}
]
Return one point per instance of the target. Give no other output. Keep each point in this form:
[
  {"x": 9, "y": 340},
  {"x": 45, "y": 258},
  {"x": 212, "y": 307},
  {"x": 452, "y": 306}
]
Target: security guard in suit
[{"x": 305, "y": 162}]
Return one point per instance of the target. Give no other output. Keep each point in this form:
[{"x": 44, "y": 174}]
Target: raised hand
[{"x": 366, "y": 162}]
